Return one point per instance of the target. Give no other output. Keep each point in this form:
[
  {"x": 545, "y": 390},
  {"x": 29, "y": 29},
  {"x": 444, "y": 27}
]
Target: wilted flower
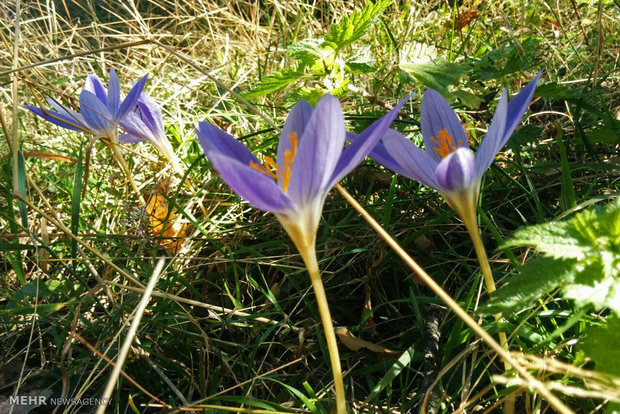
[
  {"x": 101, "y": 110},
  {"x": 310, "y": 161}
]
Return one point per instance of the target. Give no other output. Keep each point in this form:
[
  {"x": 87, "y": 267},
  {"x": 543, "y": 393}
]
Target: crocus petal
[
  {"x": 318, "y": 151},
  {"x": 56, "y": 118},
  {"x": 95, "y": 86},
  {"x": 95, "y": 113},
  {"x": 150, "y": 113},
  {"x": 493, "y": 140},
  {"x": 67, "y": 112},
  {"x": 129, "y": 103},
  {"x": 130, "y": 139},
  {"x": 517, "y": 107},
  {"x": 295, "y": 123},
  {"x": 259, "y": 190},
  {"x": 213, "y": 139},
  {"x": 114, "y": 93},
  {"x": 380, "y": 154},
  {"x": 134, "y": 125},
  {"x": 413, "y": 162},
  {"x": 367, "y": 140},
  {"x": 437, "y": 115},
  {"x": 456, "y": 172}
]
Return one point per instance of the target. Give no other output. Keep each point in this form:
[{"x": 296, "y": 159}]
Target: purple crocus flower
[
  {"x": 101, "y": 110},
  {"x": 448, "y": 164},
  {"x": 310, "y": 161},
  {"x": 145, "y": 123}
]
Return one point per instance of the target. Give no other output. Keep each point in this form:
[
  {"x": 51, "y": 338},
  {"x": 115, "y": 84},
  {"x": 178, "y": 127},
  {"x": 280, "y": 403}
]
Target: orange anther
[
  {"x": 444, "y": 143},
  {"x": 271, "y": 168}
]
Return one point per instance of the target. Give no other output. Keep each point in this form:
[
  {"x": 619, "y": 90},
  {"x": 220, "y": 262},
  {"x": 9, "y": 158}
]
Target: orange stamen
[
  {"x": 444, "y": 143},
  {"x": 271, "y": 168}
]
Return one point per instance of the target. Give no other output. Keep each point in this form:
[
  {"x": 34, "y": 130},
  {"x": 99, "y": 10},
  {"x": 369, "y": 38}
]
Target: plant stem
[
  {"x": 121, "y": 161},
  {"x": 308, "y": 253},
  {"x": 471, "y": 223},
  {"x": 455, "y": 307}
]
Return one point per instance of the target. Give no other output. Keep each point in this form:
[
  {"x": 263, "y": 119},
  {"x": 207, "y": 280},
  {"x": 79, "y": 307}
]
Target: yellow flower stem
[
  {"x": 121, "y": 161},
  {"x": 308, "y": 253},
  {"x": 554, "y": 401},
  {"x": 471, "y": 223}
]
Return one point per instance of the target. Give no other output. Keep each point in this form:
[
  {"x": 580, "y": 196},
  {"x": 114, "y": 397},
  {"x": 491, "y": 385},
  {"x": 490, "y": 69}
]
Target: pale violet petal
[
  {"x": 319, "y": 151},
  {"x": 437, "y": 115},
  {"x": 295, "y": 124},
  {"x": 491, "y": 143},
  {"x": 367, "y": 140},
  {"x": 456, "y": 172},
  {"x": 413, "y": 162},
  {"x": 258, "y": 189}
]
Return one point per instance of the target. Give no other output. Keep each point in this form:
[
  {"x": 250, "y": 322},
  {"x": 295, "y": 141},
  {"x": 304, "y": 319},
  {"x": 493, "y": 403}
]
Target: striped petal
[
  {"x": 435, "y": 116},
  {"x": 319, "y": 151}
]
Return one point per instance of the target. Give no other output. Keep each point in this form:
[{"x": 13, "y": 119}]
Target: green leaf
[
  {"x": 591, "y": 287},
  {"x": 602, "y": 345},
  {"x": 12, "y": 247},
  {"x": 567, "y": 191},
  {"x": 509, "y": 58},
  {"x": 604, "y": 135},
  {"x": 589, "y": 243},
  {"x": 360, "y": 61},
  {"x": 401, "y": 363},
  {"x": 586, "y": 235},
  {"x": 29, "y": 310},
  {"x": 438, "y": 74},
  {"x": 468, "y": 99},
  {"x": 21, "y": 188},
  {"x": 31, "y": 290},
  {"x": 354, "y": 27},
  {"x": 555, "y": 90},
  {"x": 535, "y": 279},
  {"x": 306, "y": 51},
  {"x": 274, "y": 83}
]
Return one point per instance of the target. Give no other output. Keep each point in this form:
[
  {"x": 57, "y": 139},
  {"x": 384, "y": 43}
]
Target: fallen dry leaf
[
  {"x": 355, "y": 344},
  {"x": 174, "y": 233}
]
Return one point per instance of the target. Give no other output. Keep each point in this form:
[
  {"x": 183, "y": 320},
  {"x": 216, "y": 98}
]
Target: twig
[{"x": 432, "y": 335}]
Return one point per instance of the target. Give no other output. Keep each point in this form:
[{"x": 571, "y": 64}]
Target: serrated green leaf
[
  {"x": 360, "y": 61},
  {"x": 512, "y": 57},
  {"x": 535, "y": 279},
  {"x": 354, "y": 27},
  {"x": 591, "y": 287},
  {"x": 590, "y": 243},
  {"x": 274, "y": 83},
  {"x": 306, "y": 51},
  {"x": 602, "y": 345},
  {"x": 588, "y": 234},
  {"x": 604, "y": 135},
  {"x": 438, "y": 74}
]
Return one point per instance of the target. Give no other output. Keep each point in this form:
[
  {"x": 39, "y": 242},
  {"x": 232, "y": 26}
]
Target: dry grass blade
[{"x": 131, "y": 333}]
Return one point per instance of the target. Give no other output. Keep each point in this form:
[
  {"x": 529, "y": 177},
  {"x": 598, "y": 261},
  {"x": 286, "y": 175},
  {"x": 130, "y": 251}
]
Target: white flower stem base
[{"x": 308, "y": 253}]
